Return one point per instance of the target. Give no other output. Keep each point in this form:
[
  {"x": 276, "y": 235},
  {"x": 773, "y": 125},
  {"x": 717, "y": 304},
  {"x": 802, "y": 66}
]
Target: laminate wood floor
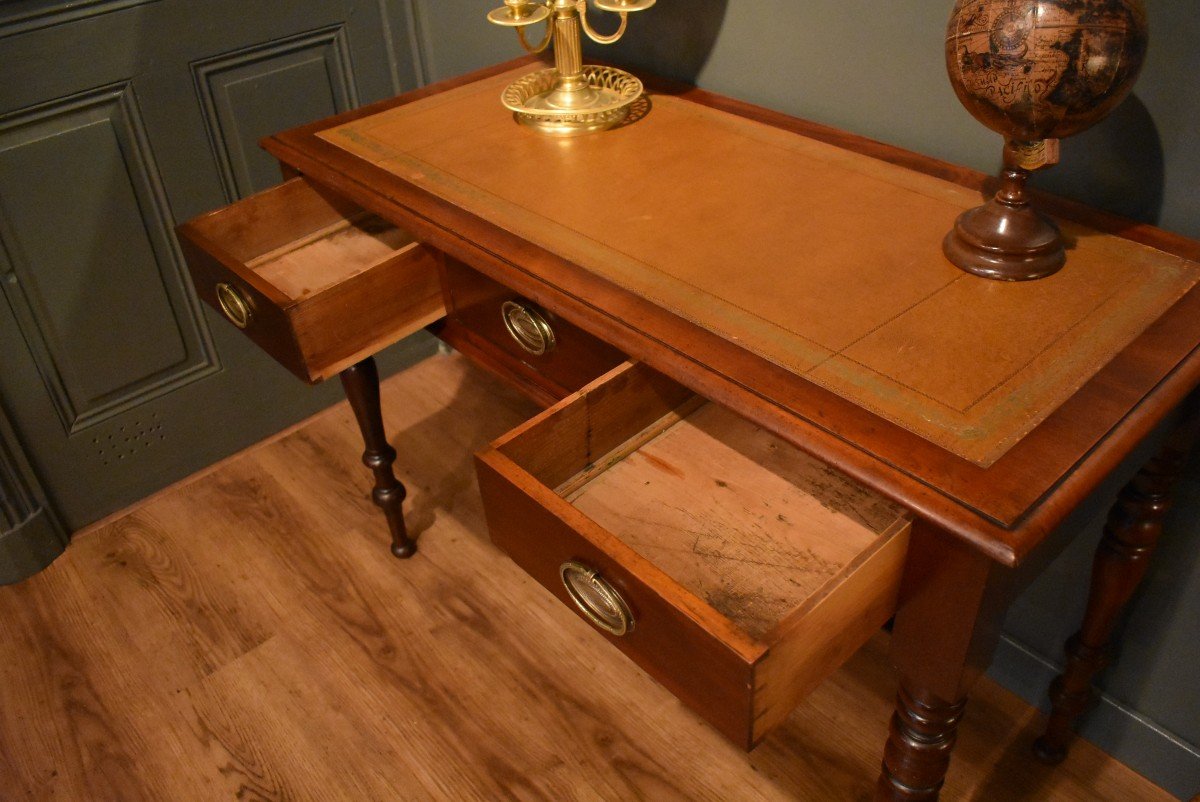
[{"x": 247, "y": 635}]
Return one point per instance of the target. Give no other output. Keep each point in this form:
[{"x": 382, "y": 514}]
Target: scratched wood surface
[
  {"x": 246, "y": 635},
  {"x": 740, "y": 518},
  {"x": 330, "y": 256}
]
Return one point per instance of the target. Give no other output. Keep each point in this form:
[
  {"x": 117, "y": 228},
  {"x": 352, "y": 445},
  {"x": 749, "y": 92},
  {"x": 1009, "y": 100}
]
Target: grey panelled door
[{"x": 119, "y": 119}]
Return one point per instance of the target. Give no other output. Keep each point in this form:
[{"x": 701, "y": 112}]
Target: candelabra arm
[
  {"x": 545, "y": 43},
  {"x": 596, "y": 37}
]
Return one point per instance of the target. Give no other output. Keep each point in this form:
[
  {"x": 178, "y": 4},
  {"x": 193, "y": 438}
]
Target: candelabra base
[{"x": 539, "y": 101}]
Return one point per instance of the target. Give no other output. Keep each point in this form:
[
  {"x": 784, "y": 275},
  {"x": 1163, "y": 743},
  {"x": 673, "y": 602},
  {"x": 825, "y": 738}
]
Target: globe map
[{"x": 1038, "y": 69}]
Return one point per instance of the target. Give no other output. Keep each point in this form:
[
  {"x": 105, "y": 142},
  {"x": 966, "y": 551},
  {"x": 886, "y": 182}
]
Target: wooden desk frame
[{"x": 975, "y": 524}]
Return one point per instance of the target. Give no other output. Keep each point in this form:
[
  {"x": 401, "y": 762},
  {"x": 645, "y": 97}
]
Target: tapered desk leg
[
  {"x": 946, "y": 629},
  {"x": 361, "y": 382},
  {"x": 1131, "y": 535}
]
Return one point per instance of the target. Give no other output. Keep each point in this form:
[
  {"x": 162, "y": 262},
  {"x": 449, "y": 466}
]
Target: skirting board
[
  {"x": 1123, "y": 733},
  {"x": 29, "y": 547}
]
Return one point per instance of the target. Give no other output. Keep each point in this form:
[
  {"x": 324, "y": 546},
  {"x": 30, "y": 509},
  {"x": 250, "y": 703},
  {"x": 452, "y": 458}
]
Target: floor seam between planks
[{"x": 245, "y": 634}]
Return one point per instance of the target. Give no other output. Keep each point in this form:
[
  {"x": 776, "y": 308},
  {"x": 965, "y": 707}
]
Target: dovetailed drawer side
[
  {"x": 316, "y": 282},
  {"x": 745, "y": 570}
]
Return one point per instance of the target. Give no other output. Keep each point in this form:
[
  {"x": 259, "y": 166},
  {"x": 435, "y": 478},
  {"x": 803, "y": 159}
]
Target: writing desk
[{"x": 812, "y": 393}]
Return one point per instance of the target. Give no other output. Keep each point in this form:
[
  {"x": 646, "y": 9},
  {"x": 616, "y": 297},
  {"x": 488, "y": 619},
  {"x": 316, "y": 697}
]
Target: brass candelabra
[{"x": 571, "y": 98}]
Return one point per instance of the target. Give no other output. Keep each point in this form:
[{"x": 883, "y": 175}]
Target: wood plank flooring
[{"x": 246, "y": 635}]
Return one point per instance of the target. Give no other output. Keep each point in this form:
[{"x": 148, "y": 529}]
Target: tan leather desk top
[{"x": 819, "y": 259}]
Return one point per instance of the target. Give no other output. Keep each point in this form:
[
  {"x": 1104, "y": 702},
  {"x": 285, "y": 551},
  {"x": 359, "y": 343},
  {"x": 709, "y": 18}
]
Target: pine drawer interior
[
  {"x": 747, "y": 570},
  {"x": 316, "y": 281}
]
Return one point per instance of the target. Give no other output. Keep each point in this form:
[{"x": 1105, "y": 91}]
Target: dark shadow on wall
[
  {"x": 1117, "y": 165},
  {"x": 673, "y": 39}
]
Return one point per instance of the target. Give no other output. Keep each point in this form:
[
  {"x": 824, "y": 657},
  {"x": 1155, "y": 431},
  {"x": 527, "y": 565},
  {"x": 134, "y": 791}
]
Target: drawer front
[
  {"x": 520, "y": 337},
  {"x": 314, "y": 281},
  {"x": 749, "y": 571},
  {"x": 683, "y": 654}
]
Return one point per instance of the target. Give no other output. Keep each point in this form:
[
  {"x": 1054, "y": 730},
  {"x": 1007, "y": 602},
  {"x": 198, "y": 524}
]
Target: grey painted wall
[
  {"x": 118, "y": 120},
  {"x": 877, "y": 69}
]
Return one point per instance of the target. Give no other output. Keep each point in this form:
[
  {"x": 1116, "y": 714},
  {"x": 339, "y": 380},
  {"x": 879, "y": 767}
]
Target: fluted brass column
[{"x": 568, "y": 49}]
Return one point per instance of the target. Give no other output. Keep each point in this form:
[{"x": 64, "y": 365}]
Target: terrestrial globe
[{"x": 1034, "y": 71}]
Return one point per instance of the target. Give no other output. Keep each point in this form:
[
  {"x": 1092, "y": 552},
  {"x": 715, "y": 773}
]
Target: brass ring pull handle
[
  {"x": 599, "y": 601},
  {"x": 234, "y": 305},
  {"x": 528, "y": 327}
]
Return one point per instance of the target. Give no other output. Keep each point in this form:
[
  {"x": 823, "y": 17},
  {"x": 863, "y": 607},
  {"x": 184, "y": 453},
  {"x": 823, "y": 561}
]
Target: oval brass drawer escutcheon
[
  {"x": 596, "y": 598},
  {"x": 234, "y": 305},
  {"x": 529, "y": 327}
]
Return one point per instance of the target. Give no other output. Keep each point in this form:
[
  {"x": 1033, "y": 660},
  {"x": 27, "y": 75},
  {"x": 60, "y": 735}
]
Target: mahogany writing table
[{"x": 777, "y": 416}]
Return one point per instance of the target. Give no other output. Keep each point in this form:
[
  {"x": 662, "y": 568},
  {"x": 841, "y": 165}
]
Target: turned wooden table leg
[
  {"x": 946, "y": 628},
  {"x": 921, "y": 738},
  {"x": 361, "y": 382},
  {"x": 1131, "y": 535}
]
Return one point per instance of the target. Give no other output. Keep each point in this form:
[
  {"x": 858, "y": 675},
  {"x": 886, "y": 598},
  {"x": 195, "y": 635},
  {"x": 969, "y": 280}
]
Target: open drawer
[
  {"x": 729, "y": 565},
  {"x": 315, "y": 281}
]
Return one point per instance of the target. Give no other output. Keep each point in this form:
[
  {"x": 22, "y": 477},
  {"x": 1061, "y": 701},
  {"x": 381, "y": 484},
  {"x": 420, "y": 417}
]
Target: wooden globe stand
[{"x": 1006, "y": 238}]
